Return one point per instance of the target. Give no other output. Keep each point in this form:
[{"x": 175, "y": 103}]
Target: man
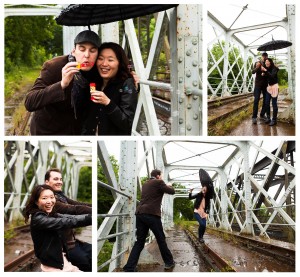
[
  {"x": 148, "y": 216},
  {"x": 261, "y": 84},
  {"x": 50, "y": 96},
  {"x": 80, "y": 253}
]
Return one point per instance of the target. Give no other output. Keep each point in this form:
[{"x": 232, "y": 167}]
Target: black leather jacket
[
  {"x": 271, "y": 74},
  {"x": 199, "y": 197},
  {"x": 48, "y": 238},
  {"x": 116, "y": 118}
]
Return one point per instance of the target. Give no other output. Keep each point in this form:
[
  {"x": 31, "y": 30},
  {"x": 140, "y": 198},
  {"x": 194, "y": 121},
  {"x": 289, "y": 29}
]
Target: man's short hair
[
  {"x": 155, "y": 172},
  {"x": 264, "y": 54},
  {"x": 48, "y": 172}
]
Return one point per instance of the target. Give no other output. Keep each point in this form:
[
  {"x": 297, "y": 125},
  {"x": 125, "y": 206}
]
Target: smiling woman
[
  {"x": 46, "y": 226},
  {"x": 113, "y": 102}
]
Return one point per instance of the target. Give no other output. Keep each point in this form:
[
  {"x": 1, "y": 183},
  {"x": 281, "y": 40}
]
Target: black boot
[{"x": 273, "y": 122}]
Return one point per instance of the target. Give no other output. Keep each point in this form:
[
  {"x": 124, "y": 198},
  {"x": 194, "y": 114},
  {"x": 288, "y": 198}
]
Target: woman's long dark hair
[
  {"x": 31, "y": 206},
  {"x": 123, "y": 71},
  {"x": 271, "y": 62}
]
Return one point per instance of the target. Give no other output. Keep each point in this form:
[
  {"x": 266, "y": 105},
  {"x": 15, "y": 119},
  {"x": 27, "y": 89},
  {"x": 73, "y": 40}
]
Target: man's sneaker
[
  {"x": 263, "y": 118},
  {"x": 170, "y": 266},
  {"x": 273, "y": 122},
  {"x": 254, "y": 121},
  {"x": 268, "y": 121},
  {"x": 201, "y": 240}
]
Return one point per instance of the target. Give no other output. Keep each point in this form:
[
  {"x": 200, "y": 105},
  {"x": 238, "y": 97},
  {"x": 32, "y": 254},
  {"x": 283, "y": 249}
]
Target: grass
[
  {"x": 224, "y": 126},
  {"x": 105, "y": 255},
  {"x": 9, "y": 232},
  {"x": 18, "y": 78}
]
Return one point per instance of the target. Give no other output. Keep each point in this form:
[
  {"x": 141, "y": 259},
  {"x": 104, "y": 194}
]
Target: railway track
[
  {"x": 279, "y": 252},
  {"x": 26, "y": 260},
  {"x": 221, "y": 108},
  {"x": 226, "y": 251},
  {"x": 215, "y": 261},
  {"x": 228, "y": 100}
]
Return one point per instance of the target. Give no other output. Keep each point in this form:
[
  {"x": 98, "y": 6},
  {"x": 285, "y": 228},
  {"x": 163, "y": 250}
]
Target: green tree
[
  {"x": 183, "y": 207},
  {"x": 85, "y": 185},
  {"x": 30, "y": 40}
]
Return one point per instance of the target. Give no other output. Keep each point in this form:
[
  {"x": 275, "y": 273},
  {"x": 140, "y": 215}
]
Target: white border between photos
[{"x": 117, "y": 139}]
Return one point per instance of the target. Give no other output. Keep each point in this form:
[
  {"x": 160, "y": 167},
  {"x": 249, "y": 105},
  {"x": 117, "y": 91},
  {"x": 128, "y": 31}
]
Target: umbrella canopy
[
  {"x": 206, "y": 180},
  {"x": 274, "y": 45},
  {"x": 92, "y": 14}
]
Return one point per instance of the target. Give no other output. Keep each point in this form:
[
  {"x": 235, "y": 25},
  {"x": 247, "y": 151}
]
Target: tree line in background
[{"x": 30, "y": 40}]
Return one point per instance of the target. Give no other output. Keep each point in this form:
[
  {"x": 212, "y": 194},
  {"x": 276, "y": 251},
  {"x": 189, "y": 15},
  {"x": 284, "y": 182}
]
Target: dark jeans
[
  {"x": 144, "y": 222},
  {"x": 257, "y": 92},
  {"x": 202, "y": 225},
  {"x": 274, "y": 105},
  {"x": 81, "y": 256}
]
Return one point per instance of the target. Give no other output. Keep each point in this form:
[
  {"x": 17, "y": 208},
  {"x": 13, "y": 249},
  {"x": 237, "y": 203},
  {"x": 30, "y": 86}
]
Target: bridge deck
[{"x": 239, "y": 257}]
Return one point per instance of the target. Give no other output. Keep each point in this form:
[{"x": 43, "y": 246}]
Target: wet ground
[
  {"x": 283, "y": 128},
  {"x": 245, "y": 259},
  {"x": 184, "y": 254},
  {"x": 246, "y": 128}
]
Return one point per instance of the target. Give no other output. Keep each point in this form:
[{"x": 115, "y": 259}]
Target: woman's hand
[
  {"x": 99, "y": 97},
  {"x": 191, "y": 190},
  {"x": 136, "y": 78}
]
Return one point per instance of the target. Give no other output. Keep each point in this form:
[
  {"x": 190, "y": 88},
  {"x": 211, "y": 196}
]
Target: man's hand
[
  {"x": 191, "y": 190},
  {"x": 67, "y": 74},
  {"x": 99, "y": 97}
]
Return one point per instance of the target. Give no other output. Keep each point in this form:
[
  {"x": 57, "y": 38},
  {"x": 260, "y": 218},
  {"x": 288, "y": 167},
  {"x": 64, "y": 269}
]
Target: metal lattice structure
[
  {"x": 229, "y": 83},
  {"x": 255, "y": 187},
  {"x": 181, "y": 30},
  {"x": 25, "y": 165}
]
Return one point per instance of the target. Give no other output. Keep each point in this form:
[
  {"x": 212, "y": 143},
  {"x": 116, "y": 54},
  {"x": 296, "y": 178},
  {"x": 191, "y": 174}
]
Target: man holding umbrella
[
  {"x": 261, "y": 84},
  {"x": 202, "y": 202}
]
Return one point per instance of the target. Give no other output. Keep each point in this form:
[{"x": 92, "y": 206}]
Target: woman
[
  {"x": 47, "y": 228},
  {"x": 201, "y": 209},
  {"x": 271, "y": 72},
  {"x": 114, "y": 100}
]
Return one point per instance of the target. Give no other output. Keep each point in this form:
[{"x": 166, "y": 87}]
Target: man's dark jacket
[
  {"x": 65, "y": 205},
  {"x": 260, "y": 81},
  {"x": 53, "y": 113},
  {"x": 48, "y": 238},
  {"x": 152, "y": 193}
]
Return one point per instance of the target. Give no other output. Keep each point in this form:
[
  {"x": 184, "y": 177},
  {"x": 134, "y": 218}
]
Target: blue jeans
[
  {"x": 257, "y": 92},
  {"x": 274, "y": 106},
  {"x": 144, "y": 222},
  {"x": 81, "y": 256},
  {"x": 202, "y": 225}
]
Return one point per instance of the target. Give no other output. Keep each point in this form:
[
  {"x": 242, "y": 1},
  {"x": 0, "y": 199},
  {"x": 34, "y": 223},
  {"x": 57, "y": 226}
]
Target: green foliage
[
  {"x": 105, "y": 198},
  {"x": 234, "y": 57},
  {"x": 183, "y": 207},
  {"x": 85, "y": 185},
  {"x": 30, "y": 40},
  {"x": 105, "y": 255}
]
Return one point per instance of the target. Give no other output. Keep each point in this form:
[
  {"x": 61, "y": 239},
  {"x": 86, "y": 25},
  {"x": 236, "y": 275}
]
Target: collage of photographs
[{"x": 149, "y": 138}]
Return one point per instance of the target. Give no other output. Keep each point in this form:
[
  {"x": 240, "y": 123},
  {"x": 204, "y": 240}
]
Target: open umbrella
[
  {"x": 206, "y": 180},
  {"x": 274, "y": 45},
  {"x": 92, "y": 14}
]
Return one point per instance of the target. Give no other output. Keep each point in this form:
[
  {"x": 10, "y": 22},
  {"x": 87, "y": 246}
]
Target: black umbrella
[
  {"x": 205, "y": 180},
  {"x": 274, "y": 45},
  {"x": 92, "y": 14}
]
